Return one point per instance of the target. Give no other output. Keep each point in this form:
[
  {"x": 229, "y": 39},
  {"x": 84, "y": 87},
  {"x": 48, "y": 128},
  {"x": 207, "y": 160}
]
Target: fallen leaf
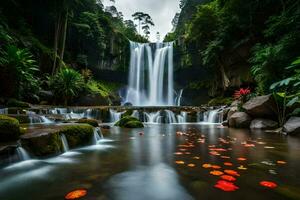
[
  {"x": 216, "y": 173},
  {"x": 268, "y": 184},
  {"x": 226, "y": 186}
]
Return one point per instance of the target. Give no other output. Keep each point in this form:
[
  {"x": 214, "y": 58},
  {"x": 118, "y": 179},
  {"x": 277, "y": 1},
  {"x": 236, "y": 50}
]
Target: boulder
[
  {"x": 9, "y": 129},
  {"x": 261, "y": 106},
  {"x": 292, "y": 126},
  {"x": 264, "y": 124},
  {"x": 47, "y": 141},
  {"x": 231, "y": 111},
  {"x": 17, "y": 104},
  {"x": 225, "y": 123},
  {"x": 239, "y": 120},
  {"x": 129, "y": 122}
]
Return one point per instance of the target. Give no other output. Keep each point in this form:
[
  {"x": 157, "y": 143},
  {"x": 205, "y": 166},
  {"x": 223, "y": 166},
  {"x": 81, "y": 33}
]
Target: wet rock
[
  {"x": 261, "y": 106},
  {"x": 231, "y": 111},
  {"x": 239, "y": 120},
  {"x": 292, "y": 126},
  {"x": 47, "y": 141},
  {"x": 22, "y": 118},
  {"x": 225, "y": 123},
  {"x": 17, "y": 104},
  {"x": 105, "y": 127},
  {"x": 225, "y": 113},
  {"x": 128, "y": 104},
  {"x": 264, "y": 124},
  {"x": 129, "y": 122},
  {"x": 9, "y": 129},
  {"x": 46, "y": 96}
]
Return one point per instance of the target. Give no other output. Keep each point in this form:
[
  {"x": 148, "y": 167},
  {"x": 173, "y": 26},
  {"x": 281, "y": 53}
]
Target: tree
[{"x": 145, "y": 20}]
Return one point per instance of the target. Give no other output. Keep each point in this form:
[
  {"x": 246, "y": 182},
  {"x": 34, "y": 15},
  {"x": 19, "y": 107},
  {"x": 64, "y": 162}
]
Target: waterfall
[
  {"x": 64, "y": 142},
  {"x": 213, "y": 116},
  {"x": 150, "y": 78},
  {"x": 153, "y": 117},
  {"x": 97, "y": 136},
  {"x": 46, "y": 120},
  {"x": 178, "y": 99},
  {"x": 136, "y": 114},
  {"x": 170, "y": 117},
  {"x": 115, "y": 116},
  {"x": 22, "y": 154},
  {"x": 3, "y": 111},
  {"x": 182, "y": 118}
]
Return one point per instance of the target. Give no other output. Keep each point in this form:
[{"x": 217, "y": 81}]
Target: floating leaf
[
  {"x": 242, "y": 167},
  {"x": 228, "y": 164},
  {"x": 191, "y": 165},
  {"x": 216, "y": 167},
  {"x": 76, "y": 194},
  {"x": 178, "y": 153},
  {"x": 232, "y": 172},
  {"x": 268, "y": 184},
  {"x": 196, "y": 158},
  {"x": 226, "y": 186},
  {"x": 228, "y": 178},
  {"x": 281, "y": 162},
  {"x": 179, "y": 162},
  {"x": 216, "y": 173},
  {"x": 242, "y": 159},
  {"x": 206, "y": 166}
]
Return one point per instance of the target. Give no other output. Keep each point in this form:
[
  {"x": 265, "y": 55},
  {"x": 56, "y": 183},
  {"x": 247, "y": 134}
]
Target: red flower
[{"x": 238, "y": 94}]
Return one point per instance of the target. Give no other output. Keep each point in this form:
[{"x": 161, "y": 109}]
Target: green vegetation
[
  {"x": 9, "y": 129},
  {"x": 91, "y": 122},
  {"x": 240, "y": 44},
  {"x": 129, "y": 122},
  {"x": 78, "y": 135},
  {"x": 220, "y": 101}
]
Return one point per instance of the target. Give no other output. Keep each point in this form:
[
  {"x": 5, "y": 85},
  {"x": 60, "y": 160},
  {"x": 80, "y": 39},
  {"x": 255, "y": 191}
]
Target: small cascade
[
  {"x": 182, "y": 118},
  {"x": 64, "y": 142},
  {"x": 153, "y": 117},
  {"x": 88, "y": 114},
  {"x": 136, "y": 114},
  {"x": 115, "y": 116},
  {"x": 73, "y": 115},
  {"x": 22, "y": 154},
  {"x": 97, "y": 136},
  {"x": 4, "y": 111},
  {"x": 213, "y": 116},
  {"x": 170, "y": 117},
  {"x": 46, "y": 120},
  {"x": 179, "y": 97}
]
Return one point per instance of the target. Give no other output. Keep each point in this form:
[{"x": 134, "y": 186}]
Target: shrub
[
  {"x": 66, "y": 84},
  {"x": 9, "y": 128},
  {"x": 220, "y": 101},
  {"x": 18, "y": 104}
]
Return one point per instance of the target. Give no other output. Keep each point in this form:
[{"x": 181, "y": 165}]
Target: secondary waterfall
[
  {"x": 22, "y": 154},
  {"x": 64, "y": 143},
  {"x": 97, "y": 136},
  {"x": 213, "y": 116},
  {"x": 151, "y": 75}
]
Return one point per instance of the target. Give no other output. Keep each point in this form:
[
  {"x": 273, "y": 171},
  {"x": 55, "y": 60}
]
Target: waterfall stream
[
  {"x": 22, "y": 154},
  {"x": 151, "y": 78},
  {"x": 64, "y": 143}
]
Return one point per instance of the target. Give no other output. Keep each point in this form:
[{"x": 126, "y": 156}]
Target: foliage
[
  {"x": 21, "y": 64},
  {"x": 66, "y": 85},
  {"x": 220, "y": 101},
  {"x": 287, "y": 92},
  {"x": 242, "y": 95},
  {"x": 91, "y": 122},
  {"x": 102, "y": 88}
]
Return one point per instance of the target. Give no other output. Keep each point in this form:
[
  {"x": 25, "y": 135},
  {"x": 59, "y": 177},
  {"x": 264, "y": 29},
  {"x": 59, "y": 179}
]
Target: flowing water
[
  {"x": 129, "y": 166},
  {"x": 151, "y": 75},
  {"x": 64, "y": 142}
]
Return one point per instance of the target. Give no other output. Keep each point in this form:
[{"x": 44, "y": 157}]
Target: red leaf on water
[
  {"x": 268, "y": 184},
  {"x": 226, "y": 186}
]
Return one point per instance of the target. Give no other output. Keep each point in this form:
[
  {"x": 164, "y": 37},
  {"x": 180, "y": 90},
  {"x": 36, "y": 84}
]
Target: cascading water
[
  {"x": 97, "y": 136},
  {"x": 3, "y": 111},
  {"x": 151, "y": 75},
  {"x": 213, "y": 116},
  {"x": 64, "y": 143},
  {"x": 182, "y": 118},
  {"x": 170, "y": 117},
  {"x": 115, "y": 115},
  {"x": 178, "y": 99},
  {"x": 153, "y": 117},
  {"x": 22, "y": 154}
]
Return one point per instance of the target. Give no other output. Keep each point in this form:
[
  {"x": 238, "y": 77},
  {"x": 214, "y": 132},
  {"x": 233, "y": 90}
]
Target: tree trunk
[
  {"x": 56, "y": 39},
  {"x": 63, "y": 39}
]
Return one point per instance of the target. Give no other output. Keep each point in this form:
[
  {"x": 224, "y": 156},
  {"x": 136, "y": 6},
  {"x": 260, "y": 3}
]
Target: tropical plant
[
  {"x": 21, "y": 64},
  {"x": 287, "y": 92},
  {"x": 242, "y": 95},
  {"x": 66, "y": 84}
]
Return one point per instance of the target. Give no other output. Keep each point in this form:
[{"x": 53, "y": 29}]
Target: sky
[{"x": 161, "y": 11}]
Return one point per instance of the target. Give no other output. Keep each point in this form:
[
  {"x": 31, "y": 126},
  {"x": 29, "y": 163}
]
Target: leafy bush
[
  {"x": 20, "y": 64},
  {"x": 66, "y": 84},
  {"x": 16, "y": 103},
  {"x": 220, "y": 101}
]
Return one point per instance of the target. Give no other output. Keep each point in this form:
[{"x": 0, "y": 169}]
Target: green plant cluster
[{"x": 129, "y": 122}]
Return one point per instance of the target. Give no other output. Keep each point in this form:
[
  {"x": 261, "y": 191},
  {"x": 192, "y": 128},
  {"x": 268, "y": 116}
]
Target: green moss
[
  {"x": 220, "y": 101},
  {"x": 43, "y": 145},
  {"x": 23, "y": 119},
  {"x": 91, "y": 122},
  {"x": 78, "y": 135},
  {"x": 128, "y": 113},
  {"x": 129, "y": 122},
  {"x": 16, "y": 103},
  {"x": 9, "y": 128}
]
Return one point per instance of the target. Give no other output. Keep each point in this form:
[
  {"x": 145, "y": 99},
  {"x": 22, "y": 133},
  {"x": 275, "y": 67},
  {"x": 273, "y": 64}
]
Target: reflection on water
[{"x": 129, "y": 165}]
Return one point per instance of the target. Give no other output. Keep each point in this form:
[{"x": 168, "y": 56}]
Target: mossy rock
[
  {"x": 128, "y": 113},
  {"x": 9, "y": 128},
  {"x": 78, "y": 135},
  {"x": 91, "y": 122},
  {"x": 17, "y": 103},
  {"x": 44, "y": 144},
  {"x": 129, "y": 122},
  {"x": 23, "y": 119}
]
